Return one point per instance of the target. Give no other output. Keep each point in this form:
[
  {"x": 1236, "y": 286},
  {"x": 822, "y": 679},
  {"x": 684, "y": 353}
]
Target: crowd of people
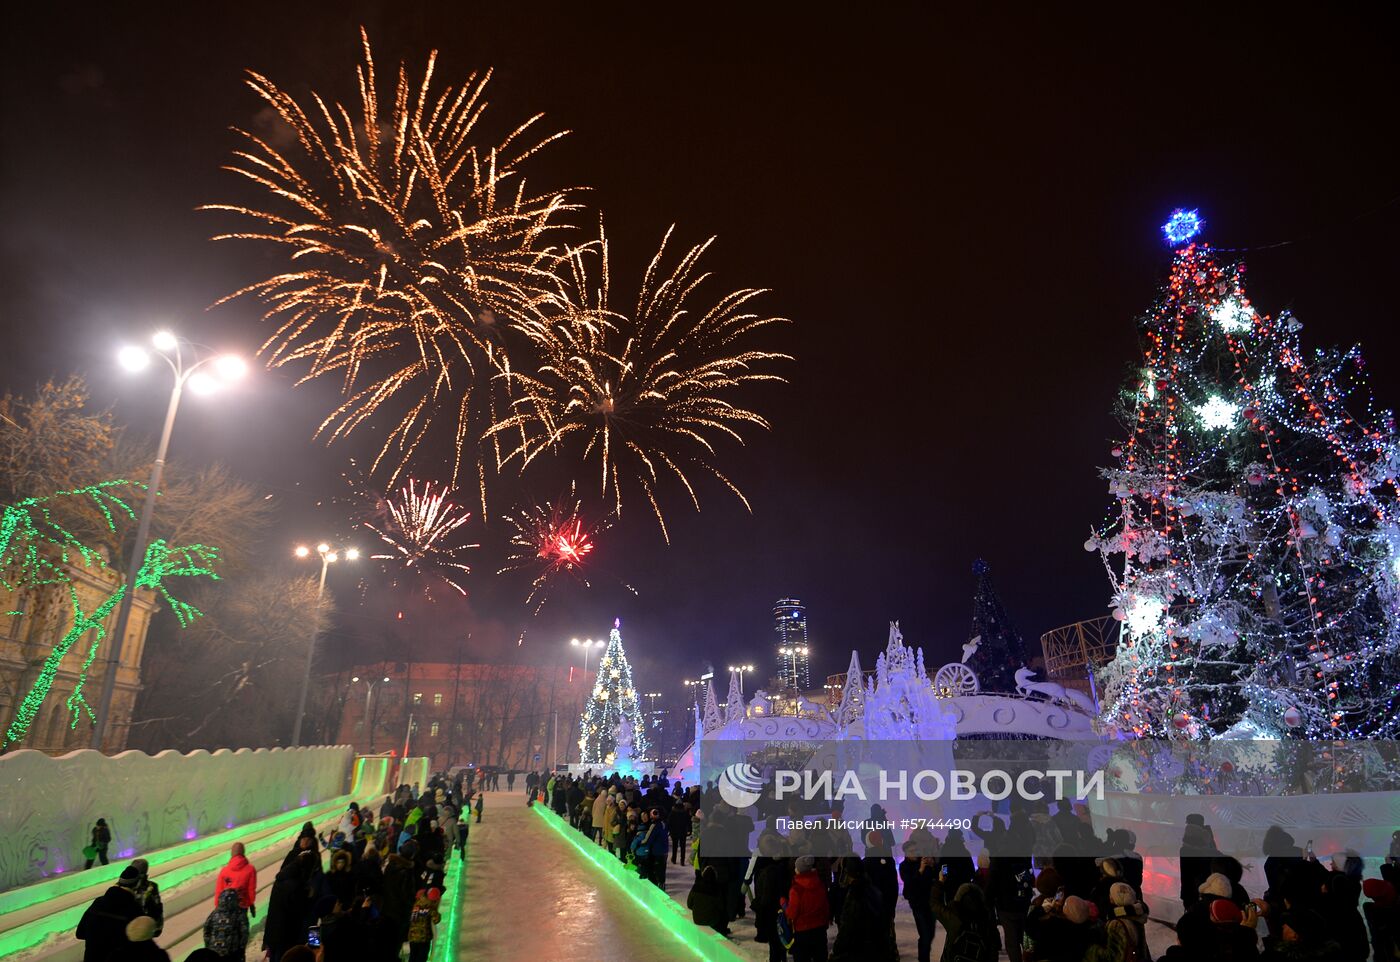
[
  {"x": 360, "y": 891},
  {"x": 641, "y": 822},
  {"x": 1042, "y": 886}
]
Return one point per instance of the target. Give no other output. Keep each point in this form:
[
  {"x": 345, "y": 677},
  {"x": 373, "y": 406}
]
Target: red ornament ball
[
  {"x": 1162, "y": 384},
  {"x": 1227, "y": 767},
  {"x": 1180, "y": 720},
  {"x": 1117, "y": 452},
  {"x": 1292, "y": 717}
]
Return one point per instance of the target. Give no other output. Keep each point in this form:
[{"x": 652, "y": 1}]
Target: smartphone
[
  {"x": 313, "y": 936},
  {"x": 943, "y": 871},
  {"x": 1310, "y": 848}
]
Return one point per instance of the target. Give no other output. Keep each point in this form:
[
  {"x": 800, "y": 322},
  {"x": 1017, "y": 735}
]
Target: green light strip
[
  {"x": 65, "y": 920},
  {"x": 20, "y": 898},
  {"x": 454, "y": 891},
  {"x": 706, "y": 943}
]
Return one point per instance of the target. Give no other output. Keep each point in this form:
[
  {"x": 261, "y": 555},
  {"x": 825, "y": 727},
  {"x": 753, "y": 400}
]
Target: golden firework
[
  {"x": 409, "y": 246},
  {"x": 419, "y": 534},
  {"x": 645, "y": 394}
]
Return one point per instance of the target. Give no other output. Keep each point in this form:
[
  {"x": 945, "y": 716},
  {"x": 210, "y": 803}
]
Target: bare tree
[
  {"x": 232, "y": 679},
  {"x": 202, "y": 504},
  {"x": 54, "y": 441}
]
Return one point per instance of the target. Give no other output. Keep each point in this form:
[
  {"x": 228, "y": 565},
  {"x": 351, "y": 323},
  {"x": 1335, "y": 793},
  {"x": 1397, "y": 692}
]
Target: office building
[{"x": 790, "y": 624}]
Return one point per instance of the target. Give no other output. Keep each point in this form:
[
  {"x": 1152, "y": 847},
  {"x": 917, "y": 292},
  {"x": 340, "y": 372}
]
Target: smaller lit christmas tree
[
  {"x": 1000, "y": 651},
  {"x": 614, "y": 698}
]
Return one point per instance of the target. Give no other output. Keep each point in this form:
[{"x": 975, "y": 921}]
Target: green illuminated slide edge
[
  {"x": 705, "y": 943},
  {"x": 454, "y": 890},
  {"x": 27, "y": 936},
  {"x": 24, "y": 896}
]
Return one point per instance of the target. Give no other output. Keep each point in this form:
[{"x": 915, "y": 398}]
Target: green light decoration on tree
[{"x": 37, "y": 550}]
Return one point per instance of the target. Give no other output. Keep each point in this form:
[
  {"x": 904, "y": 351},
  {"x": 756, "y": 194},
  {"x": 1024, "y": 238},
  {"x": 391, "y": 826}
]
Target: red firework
[
  {"x": 551, "y": 540},
  {"x": 568, "y": 546}
]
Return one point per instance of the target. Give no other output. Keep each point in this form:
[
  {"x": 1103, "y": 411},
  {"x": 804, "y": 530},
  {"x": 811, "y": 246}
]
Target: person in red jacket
[
  {"x": 809, "y": 912},
  {"x": 239, "y": 875}
]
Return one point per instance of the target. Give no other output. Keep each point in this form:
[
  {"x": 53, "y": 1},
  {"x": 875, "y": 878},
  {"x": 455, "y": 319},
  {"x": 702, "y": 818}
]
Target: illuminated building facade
[{"x": 790, "y": 623}]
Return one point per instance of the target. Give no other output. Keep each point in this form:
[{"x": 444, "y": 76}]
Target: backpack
[
  {"x": 784, "y": 927},
  {"x": 223, "y": 936},
  {"x": 972, "y": 945},
  {"x": 1131, "y": 950},
  {"x": 1024, "y": 886}
]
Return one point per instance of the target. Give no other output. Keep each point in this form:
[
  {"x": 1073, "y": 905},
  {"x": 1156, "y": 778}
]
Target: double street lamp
[
  {"x": 741, "y": 669},
  {"x": 204, "y": 373},
  {"x": 587, "y": 645},
  {"x": 329, "y": 556}
]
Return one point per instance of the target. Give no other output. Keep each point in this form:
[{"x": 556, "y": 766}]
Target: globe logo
[{"x": 740, "y": 784}]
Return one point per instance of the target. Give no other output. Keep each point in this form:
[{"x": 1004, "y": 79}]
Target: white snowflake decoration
[
  {"x": 1233, "y": 315},
  {"x": 1217, "y": 412}
]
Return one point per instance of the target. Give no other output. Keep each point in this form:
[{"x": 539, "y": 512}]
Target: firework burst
[
  {"x": 551, "y": 540},
  {"x": 418, "y": 530},
  {"x": 643, "y": 395},
  {"x": 407, "y": 242}
]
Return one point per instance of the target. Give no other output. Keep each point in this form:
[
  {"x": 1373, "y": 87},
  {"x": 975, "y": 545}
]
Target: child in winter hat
[
  {"x": 1048, "y": 882},
  {"x": 1216, "y": 884},
  {"x": 141, "y": 929},
  {"x": 1076, "y": 910},
  {"x": 1225, "y": 912},
  {"x": 420, "y": 924}
]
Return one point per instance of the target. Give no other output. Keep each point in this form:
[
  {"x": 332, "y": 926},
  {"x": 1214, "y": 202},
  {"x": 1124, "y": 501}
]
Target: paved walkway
[{"x": 529, "y": 895}]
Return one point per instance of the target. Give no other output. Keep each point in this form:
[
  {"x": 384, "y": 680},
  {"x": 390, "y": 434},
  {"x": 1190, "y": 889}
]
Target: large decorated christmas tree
[
  {"x": 1255, "y": 547},
  {"x": 614, "y": 699}
]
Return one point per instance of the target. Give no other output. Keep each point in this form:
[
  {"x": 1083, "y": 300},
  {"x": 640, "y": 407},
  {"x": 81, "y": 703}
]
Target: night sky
[{"x": 959, "y": 215}]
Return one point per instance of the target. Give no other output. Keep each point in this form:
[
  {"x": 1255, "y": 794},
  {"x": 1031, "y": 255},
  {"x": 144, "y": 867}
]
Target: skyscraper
[{"x": 790, "y": 622}]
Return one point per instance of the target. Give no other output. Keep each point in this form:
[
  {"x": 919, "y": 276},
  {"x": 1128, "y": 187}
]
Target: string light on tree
[
  {"x": 36, "y": 553},
  {"x": 1253, "y": 546}
]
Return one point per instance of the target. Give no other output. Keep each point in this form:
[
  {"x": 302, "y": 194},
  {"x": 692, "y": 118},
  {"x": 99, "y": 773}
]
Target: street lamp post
[
  {"x": 328, "y": 558},
  {"x": 741, "y": 669},
  {"x": 586, "y": 646},
  {"x": 369, "y": 690},
  {"x": 171, "y": 349},
  {"x": 791, "y": 652},
  {"x": 692, "y": 696}
]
